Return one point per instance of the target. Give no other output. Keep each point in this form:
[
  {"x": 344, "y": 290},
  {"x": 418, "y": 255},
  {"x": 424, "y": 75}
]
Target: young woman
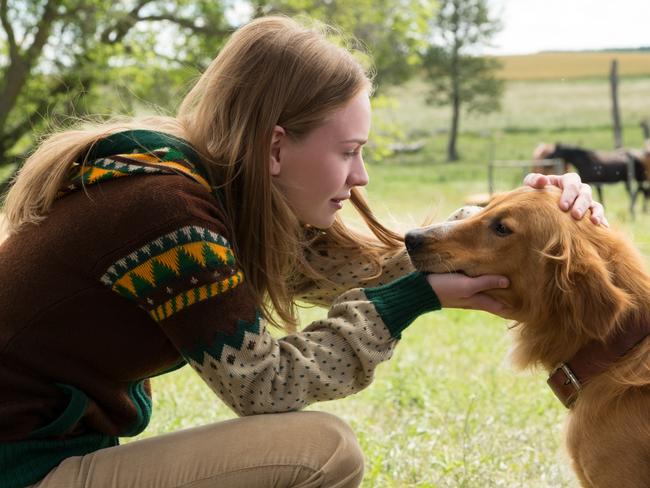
[{"x": 138, "y": 247}]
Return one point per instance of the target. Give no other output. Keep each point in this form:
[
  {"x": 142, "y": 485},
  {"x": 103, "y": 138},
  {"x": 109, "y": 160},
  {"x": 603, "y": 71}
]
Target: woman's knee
[{"x": 340, "y": 455}]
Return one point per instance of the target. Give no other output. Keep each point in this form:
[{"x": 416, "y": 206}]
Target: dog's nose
[{"x": 413, "y": 240}]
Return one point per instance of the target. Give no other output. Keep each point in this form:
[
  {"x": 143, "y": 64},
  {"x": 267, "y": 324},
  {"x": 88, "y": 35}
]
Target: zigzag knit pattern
[
  {"x": 164, "y": 160},
  {"x": 175, "y": 271},
  {"x": 221, "y": 339}
]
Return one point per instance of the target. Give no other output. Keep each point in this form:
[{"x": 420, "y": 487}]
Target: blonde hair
[{"x": 272, "y": 71}]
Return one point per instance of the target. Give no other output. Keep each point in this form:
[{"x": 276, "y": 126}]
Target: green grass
[{"x": 448, "y": 410}]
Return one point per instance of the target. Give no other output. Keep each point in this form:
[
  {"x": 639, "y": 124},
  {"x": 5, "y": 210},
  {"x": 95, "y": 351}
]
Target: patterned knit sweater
[{"x": 133, "y": 276}]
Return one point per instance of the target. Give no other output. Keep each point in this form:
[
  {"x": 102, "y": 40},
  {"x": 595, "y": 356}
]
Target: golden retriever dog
[{"x": 580, "y": 296}]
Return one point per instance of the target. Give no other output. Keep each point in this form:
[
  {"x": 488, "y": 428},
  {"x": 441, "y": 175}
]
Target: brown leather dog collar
[{"x": 568, "y": 378}]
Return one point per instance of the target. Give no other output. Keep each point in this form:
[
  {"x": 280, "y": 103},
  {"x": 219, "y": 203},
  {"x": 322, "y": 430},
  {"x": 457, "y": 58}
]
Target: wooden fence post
[{"x": 613, "y": 80}]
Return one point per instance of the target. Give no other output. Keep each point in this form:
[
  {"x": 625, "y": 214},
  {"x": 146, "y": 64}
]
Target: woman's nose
[{"x": 358, "y": 175}]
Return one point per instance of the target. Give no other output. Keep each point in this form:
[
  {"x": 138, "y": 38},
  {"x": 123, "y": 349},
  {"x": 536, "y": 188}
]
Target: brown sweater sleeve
[{"x": 188, "y": 282}]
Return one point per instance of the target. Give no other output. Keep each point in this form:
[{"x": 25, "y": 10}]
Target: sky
[{"x": 539, "y": 25}]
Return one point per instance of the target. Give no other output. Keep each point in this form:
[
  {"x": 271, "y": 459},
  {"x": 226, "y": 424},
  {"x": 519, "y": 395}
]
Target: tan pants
[{"x": 297, "y": 449}]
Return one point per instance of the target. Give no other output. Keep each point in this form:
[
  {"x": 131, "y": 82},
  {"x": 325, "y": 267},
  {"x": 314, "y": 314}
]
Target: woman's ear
[{"x": 276, "y": 142}]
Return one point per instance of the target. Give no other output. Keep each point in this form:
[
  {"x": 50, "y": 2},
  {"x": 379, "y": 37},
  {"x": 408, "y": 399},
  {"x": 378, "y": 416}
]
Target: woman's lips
[{"x": 338, "y": 202}]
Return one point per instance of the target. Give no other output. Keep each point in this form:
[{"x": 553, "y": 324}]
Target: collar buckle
[{"x": 565, "y": 384}]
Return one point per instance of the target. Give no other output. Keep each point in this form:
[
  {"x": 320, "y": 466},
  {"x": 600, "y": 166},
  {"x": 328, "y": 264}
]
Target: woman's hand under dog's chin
[{"x": 455, "y": 290}]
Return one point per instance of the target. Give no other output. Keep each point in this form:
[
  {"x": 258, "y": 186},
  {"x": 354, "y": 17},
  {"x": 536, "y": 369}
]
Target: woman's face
[{"x": 317, "y": 173}]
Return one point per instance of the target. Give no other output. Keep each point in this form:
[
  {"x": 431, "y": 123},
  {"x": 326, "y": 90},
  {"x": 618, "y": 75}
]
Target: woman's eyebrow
[{"x": 358, "y": 141}]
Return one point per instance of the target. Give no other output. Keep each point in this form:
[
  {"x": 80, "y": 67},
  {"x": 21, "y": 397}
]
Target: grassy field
[
  {"x": 576, "y": 111},
  {"x": 448, "y": 410},
  {"x": 547, "y": 65}
]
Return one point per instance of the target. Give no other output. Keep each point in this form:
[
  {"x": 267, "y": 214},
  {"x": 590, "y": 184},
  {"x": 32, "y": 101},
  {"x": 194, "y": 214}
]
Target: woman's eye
[
  {"x": 351, "y": 154},
  {"x": 501, "y": 229}
]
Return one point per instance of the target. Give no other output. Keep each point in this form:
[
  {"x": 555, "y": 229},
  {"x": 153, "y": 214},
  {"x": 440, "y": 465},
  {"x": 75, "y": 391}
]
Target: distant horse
[
  {"x": 646, "y": 134},
  {"x": 598, "y": 167}
]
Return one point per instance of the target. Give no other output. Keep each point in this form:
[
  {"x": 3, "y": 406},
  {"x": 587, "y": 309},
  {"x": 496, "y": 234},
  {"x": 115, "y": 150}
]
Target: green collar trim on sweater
[
  {"x": 141, "y": 152},
  {"x": 75, "y": 409},
  {"x": 142, "y": 140},
  {"x": 142, "y": 402}
]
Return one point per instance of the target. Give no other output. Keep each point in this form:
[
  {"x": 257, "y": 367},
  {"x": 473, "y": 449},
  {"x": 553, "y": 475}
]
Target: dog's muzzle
[{"x": 413, "y": 240}]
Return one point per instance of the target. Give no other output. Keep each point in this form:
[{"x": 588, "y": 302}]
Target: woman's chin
[{"x": 319, "y": 223}]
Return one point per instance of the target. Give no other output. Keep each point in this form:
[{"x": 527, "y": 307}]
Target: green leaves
[
  {"x": 65, "y": 59},
  {"x": 391, "y": 31},
  {"x": 60, "y": 59}
]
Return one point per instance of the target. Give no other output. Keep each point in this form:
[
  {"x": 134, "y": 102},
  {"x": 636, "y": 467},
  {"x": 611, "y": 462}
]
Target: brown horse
[{"x": 599, "y": 167}]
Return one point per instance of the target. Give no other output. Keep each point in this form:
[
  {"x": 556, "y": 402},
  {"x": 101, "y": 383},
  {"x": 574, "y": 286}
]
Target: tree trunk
[
  {"x": 20, "y": 64},
  {"x": 15, "y": 78},
  {"x": 613, "y": 79},
  {"x": 452, "y": 153}
]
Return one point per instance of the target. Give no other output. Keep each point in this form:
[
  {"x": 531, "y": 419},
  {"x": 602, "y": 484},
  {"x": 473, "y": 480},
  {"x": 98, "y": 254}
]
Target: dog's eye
[{"x": 501, "y": 230}]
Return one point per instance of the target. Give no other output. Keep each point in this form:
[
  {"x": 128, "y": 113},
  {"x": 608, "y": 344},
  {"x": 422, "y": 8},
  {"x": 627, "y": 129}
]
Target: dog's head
[{"x": 564, "y": 289}]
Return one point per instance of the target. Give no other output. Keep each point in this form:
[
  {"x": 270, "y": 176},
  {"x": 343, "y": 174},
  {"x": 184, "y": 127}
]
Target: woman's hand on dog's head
[
  {"x": 576, "y": 195},
  {"x": 455, "y": 290}
]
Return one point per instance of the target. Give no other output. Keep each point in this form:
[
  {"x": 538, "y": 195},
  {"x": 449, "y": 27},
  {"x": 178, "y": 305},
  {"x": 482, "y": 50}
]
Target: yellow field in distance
[{"x": 558, "y": 65}]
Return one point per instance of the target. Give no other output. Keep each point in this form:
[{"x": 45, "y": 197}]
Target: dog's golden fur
[{"x": 570, "y": 282}]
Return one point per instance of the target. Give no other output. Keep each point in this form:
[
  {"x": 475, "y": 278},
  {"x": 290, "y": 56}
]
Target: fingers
[
  {"x": 452, "y": 287},
  {"x": 456, "y": 290},
  {"x": 576, "y": 196},
  {"x": 580, "y": 204},
  {"x": 485, "y": 303},
  {"x": 571, "y": 190},
  {"x": 485, "y": 282},
  {"x": 598, "y": 214},
  {"x": 536, "y": 180}
]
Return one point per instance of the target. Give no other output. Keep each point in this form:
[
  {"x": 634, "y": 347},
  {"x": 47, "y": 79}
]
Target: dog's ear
[{"x": 580, "y": 287}]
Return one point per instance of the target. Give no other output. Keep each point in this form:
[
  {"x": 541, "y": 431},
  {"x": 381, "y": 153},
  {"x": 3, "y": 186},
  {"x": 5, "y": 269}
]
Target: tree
[
  {"x": 392, "y": 31},
  {"x": 63, "y": 58},
  {"x": 458, "y": 77}
]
